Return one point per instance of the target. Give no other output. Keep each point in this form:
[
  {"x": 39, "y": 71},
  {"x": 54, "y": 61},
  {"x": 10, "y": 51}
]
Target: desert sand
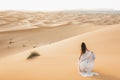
[{"x": 58, "y": 46}]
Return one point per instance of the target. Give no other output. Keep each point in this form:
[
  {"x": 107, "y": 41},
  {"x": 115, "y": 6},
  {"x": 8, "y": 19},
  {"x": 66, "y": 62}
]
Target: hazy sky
[{"x": 51, "y": 5}]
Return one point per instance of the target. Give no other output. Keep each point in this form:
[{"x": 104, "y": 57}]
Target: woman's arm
[{"x": 86, "y": 57}]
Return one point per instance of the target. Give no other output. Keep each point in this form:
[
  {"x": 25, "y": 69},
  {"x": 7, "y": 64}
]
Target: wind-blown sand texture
[{"x": 57, "y": 38}]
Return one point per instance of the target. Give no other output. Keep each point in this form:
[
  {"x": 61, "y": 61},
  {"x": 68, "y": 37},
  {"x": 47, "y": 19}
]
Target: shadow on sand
[{"x": 104, "y": 77}]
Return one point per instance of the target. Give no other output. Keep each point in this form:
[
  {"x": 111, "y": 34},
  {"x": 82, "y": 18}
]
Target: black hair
[{"x": 83, "y": 48}]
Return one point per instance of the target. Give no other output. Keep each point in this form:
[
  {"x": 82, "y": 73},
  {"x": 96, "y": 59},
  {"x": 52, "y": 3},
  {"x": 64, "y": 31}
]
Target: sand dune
[
  {"x": 13, "y": 42},
  {"x": 57, "y": 37},
  {"x": 16, "y": 20},
  {"x": 58, "y": 61}
]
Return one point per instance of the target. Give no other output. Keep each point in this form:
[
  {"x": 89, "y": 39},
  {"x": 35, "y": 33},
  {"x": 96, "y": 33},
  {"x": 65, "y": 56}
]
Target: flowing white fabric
[{"x": 86, "y": 64}]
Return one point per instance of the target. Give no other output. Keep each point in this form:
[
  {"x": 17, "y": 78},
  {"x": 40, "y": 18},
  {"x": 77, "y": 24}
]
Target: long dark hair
[{"x": 83, "y": 48}]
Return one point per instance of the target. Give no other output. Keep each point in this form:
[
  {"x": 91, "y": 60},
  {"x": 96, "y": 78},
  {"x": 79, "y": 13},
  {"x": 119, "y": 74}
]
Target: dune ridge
[
  {"x": 59, "y": 60},
  {"x": 13, "y": 42}
]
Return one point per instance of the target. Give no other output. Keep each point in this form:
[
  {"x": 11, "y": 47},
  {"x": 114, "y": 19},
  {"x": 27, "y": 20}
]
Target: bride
[{"x": 86, "y": 61}]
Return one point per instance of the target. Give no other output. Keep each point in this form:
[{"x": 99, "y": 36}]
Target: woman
[{"x": 86, "y": 61}]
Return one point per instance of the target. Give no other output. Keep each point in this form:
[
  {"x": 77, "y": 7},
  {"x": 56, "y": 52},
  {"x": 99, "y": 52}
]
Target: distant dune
[
  {"x": 56, "y": 38},
  {"x": 16, "y": 20}
]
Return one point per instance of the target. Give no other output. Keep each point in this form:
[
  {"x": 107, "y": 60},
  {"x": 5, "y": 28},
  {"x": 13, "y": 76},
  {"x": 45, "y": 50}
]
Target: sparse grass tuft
[{"x": 33, "y": 54}]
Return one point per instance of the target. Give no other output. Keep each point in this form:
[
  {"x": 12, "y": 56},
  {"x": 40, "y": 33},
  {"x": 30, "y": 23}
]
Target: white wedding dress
[{"x": 86, "y": 64}]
